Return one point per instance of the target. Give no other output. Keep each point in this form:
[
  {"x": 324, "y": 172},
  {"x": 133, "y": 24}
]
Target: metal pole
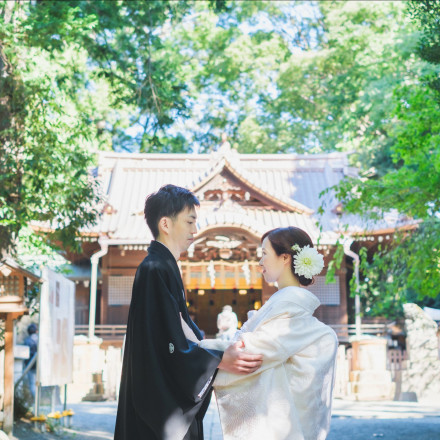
[
  {"x": 357, "y": 298},
  {"x": 65, "y": 406},
  {"x": 38, "y": 358},
  {"x": 65, "y": 397},
  {"x": 37, "y": 402},
  {"x": 93, "y": 286},
  {"x": 52, "y": 399}
]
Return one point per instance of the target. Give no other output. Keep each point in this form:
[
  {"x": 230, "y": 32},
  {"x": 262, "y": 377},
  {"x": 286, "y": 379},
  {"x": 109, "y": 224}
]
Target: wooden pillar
[
  {"x": 253, "y": 274},
  {"x": 103, "y": 287},
  {"x": 8, "y": 401},
  {"x": 204, "y": 267},
  {"x": 237, "y": 276},
  {"x": 343, "y": 305}
]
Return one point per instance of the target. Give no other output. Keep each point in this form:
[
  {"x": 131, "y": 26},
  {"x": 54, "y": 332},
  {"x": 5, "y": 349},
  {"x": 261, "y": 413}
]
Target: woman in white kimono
[{"x": 289, "y": 397}]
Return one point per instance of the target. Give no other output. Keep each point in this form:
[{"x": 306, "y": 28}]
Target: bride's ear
[{"x": 287, "y": 258}]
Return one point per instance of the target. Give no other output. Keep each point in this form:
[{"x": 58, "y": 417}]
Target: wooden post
[
  {"x": 8, "y": 401},
  {"x": 203, "y": 275},
  {"x": 253, "y": 274}
]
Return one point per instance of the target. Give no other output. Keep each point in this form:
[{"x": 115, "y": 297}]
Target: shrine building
[{"x": 242, "y": 196}]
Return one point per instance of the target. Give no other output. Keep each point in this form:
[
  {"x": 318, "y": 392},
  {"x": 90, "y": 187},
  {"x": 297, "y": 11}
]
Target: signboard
[{"x": 57, "y": 329}]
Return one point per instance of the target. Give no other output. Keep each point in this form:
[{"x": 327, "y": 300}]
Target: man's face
[{"x": 183, "y": 227}]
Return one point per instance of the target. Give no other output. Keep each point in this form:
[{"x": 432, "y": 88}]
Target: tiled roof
[
  {"x": 293, "y": 181},
  {"x": 23, "y": 271}
]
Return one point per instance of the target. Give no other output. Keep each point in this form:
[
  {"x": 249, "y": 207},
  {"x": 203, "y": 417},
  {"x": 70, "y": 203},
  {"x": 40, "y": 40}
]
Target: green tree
[
  {"x": 43, "y": 163},
  {"x": 74, "y": 76},
  {"x": 234, "y": 62},
  {"x": 411, "y": 269},
  {"x": 298, "y": 76}
]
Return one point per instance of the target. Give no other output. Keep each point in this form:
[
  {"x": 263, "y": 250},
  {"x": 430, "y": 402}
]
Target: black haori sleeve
[{"x": 165, "y": 378}]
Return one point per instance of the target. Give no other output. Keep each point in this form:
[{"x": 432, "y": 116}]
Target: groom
[{"x": 167, "y": 380}]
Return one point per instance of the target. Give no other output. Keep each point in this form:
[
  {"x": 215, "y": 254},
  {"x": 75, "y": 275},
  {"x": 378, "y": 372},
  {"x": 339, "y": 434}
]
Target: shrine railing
[
  {"x": 346, "y": 331},
  {"x": 343, "y": 331},
  {"x": 103, "y": 330}
]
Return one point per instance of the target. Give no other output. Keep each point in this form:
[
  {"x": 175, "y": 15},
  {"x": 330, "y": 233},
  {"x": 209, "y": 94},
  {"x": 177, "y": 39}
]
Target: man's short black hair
[{"x": 169, "y": 201}]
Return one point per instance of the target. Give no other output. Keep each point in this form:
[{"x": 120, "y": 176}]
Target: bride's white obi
[{"x": 290, "y": 396}]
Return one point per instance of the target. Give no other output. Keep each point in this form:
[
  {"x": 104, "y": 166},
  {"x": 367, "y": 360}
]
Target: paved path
[
  {"x": 94, "y": 421},
  {"x": 385, "y": 420},
  {"x": 366, "y": 420},
  {"x": 351, "y": 421}
]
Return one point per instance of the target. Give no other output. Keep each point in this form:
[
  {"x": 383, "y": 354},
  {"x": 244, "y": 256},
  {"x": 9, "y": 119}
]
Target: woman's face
[{"x": 271, "y": 263}]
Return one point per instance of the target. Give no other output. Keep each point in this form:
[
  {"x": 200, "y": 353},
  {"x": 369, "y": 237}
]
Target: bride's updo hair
[{"x": 282, "y": 240}]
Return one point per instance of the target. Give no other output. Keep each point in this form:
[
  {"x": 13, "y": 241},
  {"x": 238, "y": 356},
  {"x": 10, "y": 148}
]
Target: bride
[{"x": 289, "y": 397}]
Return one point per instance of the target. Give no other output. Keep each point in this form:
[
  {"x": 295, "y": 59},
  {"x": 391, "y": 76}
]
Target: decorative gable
[
  {"x": 227, "y": 182},
  {"x": 224, "y": 189}
]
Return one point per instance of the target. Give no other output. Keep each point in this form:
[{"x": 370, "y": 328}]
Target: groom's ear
[{"x": 164, "y": 225}]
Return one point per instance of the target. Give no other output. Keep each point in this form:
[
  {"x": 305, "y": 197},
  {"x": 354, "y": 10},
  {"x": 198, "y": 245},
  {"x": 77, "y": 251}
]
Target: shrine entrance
[
  {"x": 221, "y": 268},
  {"x": 205, "y": 304}
]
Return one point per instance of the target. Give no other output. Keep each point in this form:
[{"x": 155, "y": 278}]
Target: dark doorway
[{"x": 205, "y": 307}]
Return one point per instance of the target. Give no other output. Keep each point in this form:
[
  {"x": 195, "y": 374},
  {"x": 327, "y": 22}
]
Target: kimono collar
[
  {"x": 299, "y": 296},
  {"x": 158, "y": 248}
]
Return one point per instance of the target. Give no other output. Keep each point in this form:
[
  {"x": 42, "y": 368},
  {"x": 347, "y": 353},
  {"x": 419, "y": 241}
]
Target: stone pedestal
[
  {"x": 96, "y": 370},
  {"x": 422, "y": 375},
  {"x": 88, "y": 359},
  {"x": 96, "y": 394},
  {"x": 112, "y": 372},
  {"x": 342, "y": 376},
  {"x": 369, "y": 378}
]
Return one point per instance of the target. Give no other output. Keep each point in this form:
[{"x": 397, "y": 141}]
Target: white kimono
[{"x": 290, "y": 396}]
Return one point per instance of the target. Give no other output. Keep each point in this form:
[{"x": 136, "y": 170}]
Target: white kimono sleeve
[
  {"x": 207, "y": 344},
  {"x": 277, "y": 338}
]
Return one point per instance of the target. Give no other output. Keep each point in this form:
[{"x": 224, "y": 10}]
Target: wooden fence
[
  {"x": 396, "y": 362},
  {"x": 345, "y": 331},
  {"x": 103, "y": 330}
]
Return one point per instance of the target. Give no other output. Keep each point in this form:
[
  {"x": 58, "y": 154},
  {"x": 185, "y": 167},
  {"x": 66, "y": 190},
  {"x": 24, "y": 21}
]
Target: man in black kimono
[{"x": 167, "y": 380}]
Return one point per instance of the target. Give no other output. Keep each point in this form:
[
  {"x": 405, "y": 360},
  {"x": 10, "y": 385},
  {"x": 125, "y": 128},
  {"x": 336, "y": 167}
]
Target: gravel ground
[{"x": 351, "y": 421}]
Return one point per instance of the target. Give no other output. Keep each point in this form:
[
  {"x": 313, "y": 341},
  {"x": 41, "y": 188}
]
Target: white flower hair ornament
[{"x": 308, "y": 261}]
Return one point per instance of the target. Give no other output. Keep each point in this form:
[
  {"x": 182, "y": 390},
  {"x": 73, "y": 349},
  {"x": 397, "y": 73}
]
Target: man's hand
[{"x": 235, "y": 360}]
